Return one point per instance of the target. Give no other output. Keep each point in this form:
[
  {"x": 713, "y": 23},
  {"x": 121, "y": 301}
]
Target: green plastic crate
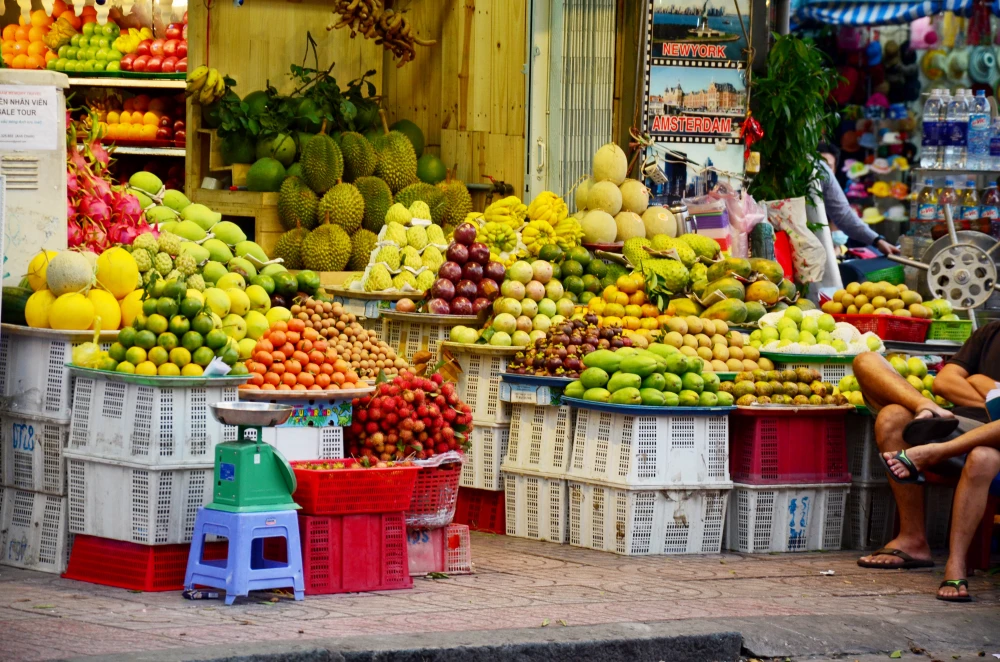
[
  {"x": 893, "y": 274},
  {"x": 957, "y": 330}
]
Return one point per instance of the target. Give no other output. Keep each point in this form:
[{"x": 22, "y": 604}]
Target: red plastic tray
[
  {"x": 481, "y": 510},
  {"x": 889, "y": 327},
  {"x": 353, "y": 492},
  {"x": 354, "y": 553},
  {"x": 434, "y": 496},
  {"x": 788, "y": 447},
  {"x": 133, "y": 566},
  {"x": 440, "y": 550}
]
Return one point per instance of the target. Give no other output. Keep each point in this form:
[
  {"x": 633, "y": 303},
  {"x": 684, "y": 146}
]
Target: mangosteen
[
  {"x": 561, "y": 351},
  {"x": 590, "y": 318},
  {"x": 560, "y": 339},
  {"x": 617, "y": 342},
  {"x": 540, "y": 343},
  {"x": 626, "y": 341},
  {"x": 571, "y": 363},
  {"x": 588, "y": 347},
  {"x": 603, "y": 343},
  {"x": 553, "y": 364}
]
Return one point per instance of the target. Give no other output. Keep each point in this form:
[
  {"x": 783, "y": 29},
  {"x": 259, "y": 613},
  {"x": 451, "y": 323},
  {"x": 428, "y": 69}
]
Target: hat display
[
  {"x": 957, "y": 64},
  {"x": 868, "y": 141},
  {"x": 890, "y": 54},
  {"x": 983, "y": 65},
  {"x": 849, "y": 141},
  {"x": 873, "y": 52},
  {"x": 900, "y": 190},
  {"x": 857, "y": 170},
  {"x": 896, "y": 213},
  {"x": 880, "y": 189},
  {"x": 922, "y": 34},
  {"x": 845, "y": 87},
  {"x": 871, "y": 216},
  {"x": 856, "y": 190},
  {"x": 850, "y": 38},
  {"x": 933, "y": 64},
  {"x": 881, "y": 167}
]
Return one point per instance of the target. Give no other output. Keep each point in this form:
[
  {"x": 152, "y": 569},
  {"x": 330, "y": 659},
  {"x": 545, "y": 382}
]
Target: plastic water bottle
[
  {"x": 957, "y": 120},
  {"x": 927, "y": 210},
  {"x": 948, "y": 199},
  {"x": 979, "y": 132},
  {"x": 970, "y": 205},
  {"x": 989, "y": 209},
  {"x": 930, "y": 143}
]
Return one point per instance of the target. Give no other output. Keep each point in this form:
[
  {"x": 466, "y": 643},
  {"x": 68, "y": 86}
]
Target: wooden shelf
[
  {"x": 167, "y": 84},
  {"x": 178, "y": 152}
]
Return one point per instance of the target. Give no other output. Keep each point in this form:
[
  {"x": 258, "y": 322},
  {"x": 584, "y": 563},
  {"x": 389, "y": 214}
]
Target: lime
[
  {"x": 556, "y": 271},
  {"x": 149, "y": 306},
  {"x": 229, "y": 354},
  {"x": 139, "y": 323},
  {"x": 591, "y": 283},
  {"x": 572, "y": 268},
  {"x": 158, "y": 288},
  {"x": 264, "y": 281},
  {"x": 597, "y": 268},
  {"x": 125, "y": 367},
  {"x": 571, "y": 296},
  {"x": 579, "y": 254},
  {"x": 180, "y": 356},
  {"x": 203, "y": 356},
  {"x": 202, "y": 324},
  {"x": 127, "y": 337},
  {"x": 167, "y": 341},
  {"x": 190, "y": 307},
  {"x": 175, "y": 289},
  {"x": 550, "y": 253},
  {"x": 239, "y": 369},
  {"x": 145, "y": 340},
  {"x": 168, "y": 370},
  {"x": 192, "y": 340},
  {"x": 108, "y": 364},
  {"x": 574, "y": 284},
  {"x": 216, "y": 338},
  {"x": 179, "y": 325},
  {"x": 145, "y": 368},
  {"x": 156, "y": 323},
  {"x": 586, "y": 297},
  {"x": 117, "y": 351},
  {"x": 167, "y": 307},
  {"x": 135, "y": 355},
  {"x": 158, "y": 356},
  {"x": 192, "y": 370}
]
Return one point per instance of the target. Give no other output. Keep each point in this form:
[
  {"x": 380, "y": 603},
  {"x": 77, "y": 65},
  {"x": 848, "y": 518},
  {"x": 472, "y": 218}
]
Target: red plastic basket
[
  {"x": 440, "y": 550},
  {"x": 353, "y": 492},
  {"x": 133, "y": 566},
  {"x": 434, "y": 496},
  {"x": 889, "y": 327},
  {"x": 354, "y": 553},
  {"x": 481, "y": 510},
  {"x": 788, "y": 447}
]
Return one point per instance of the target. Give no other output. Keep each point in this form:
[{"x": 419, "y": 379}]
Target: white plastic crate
[
  {"x": 537, "y": 507},
  {"x": 409, "y": 335},
  {"x": 871, "y": 516},
  {"x": 541, "y": 438},
  {"x": 307, "y": 442},
  {"x": 447, "y": 550},
  {"x": 786, "y": 518},
  {"x": 481, "y": 464},
  {"x": 134, "y": 502},
  {"x": 862, "y": 451},
  {"x": 479, "y": 383},
  {"x": 831, "y": 372},
  {"x": 150, "y": 425},
  {"x": 633, "y": 450},
  {"x": 686, "y": 520},
  {"x": 31, "y": 453},
  {"x": 33, "y": 531},
  {"x": 34, "y": 379}
]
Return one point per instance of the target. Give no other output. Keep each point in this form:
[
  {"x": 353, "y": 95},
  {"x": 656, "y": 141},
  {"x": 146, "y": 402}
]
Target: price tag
[
  {"x": 373, "y": 308},
  {"x": 355, "y": 306}
]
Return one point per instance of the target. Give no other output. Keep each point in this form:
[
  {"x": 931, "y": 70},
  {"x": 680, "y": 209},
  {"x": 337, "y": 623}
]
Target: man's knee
[
  {"x": 982, "y": 463},
  {"x": 890, "y": 422},
  {"x": 867, "y": 364}
]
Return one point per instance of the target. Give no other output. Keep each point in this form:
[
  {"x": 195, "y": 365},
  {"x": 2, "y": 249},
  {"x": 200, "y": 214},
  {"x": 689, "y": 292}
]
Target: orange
[
  {"x": 150, "y": 119},
  {"x": 36, "y": 34},
  {"x": 21, "y": 34},
  {"x": 113, "y": 131},
  {"x": 49, "y": 56},
  {"x": 8, "y": 59},
  {"x": 90, "y": 10},
  {"x": 148, "y": 132},
  {"x": 72, "y": 18},
  {"x": 7, "y": 47},
  {"x": 21, "y": 47},
  {"x": 20, "y": 62},
  {"x": 125, "y": 117},
  {"x": 113, "y": 117},
  {"x": 59, "y": 7},
  {"x": 39, "y": 19},
  {"x": 134, "y": 132},
  {"x": 158, "y": 105},
  {"x": 128, "y": 105},
  {"x": 37, "y": 48},
  {"x": 9, "y": 31},
  {"x": 141, "y": 102},
  {"x": 35, "y": 62}
]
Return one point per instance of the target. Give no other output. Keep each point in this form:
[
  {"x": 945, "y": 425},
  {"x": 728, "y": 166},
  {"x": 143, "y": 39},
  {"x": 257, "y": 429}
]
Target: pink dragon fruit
[
  {"x": 74, "y": 234},
  {"x": 125, "y": 205},
  {"x": 95, "y": 210}
]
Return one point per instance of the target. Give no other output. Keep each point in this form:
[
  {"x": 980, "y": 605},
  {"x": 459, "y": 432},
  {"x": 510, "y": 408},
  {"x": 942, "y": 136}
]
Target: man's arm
[
  {"x": 982, "y": 384},
  {"x": 954, "y": 385},
  {"x": 839, "y": 212}
]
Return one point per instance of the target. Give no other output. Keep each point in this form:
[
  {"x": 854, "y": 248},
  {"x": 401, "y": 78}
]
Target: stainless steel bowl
[{"x": 251, "y": 413}]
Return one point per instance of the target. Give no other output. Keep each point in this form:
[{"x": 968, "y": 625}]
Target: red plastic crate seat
[
  {"x": 481, "y": 510},
  {"x": 354, "y": 553},
  {"x": 787, "y": 447},
  {"x": 889, "y": 327},
  {"x": 434, "y": 496},
  {"x": 353, "y": 492},
  {"x": 133, "y": 566},
  {"x": 446, "y": 550}
]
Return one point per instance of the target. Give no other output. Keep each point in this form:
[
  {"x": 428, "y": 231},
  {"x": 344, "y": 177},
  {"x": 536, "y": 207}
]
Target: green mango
[
  {"x": 643, "y": 366},
  {"x": 651, "y": 397},
  {"x": 574, "y": 389},
  {"x": 604, "y": 359},
  {"x": 597, "y": 394},
  {"x": 655, "y": 381},
  {"x": 674, "y": 384},
  {"x": 711, "y": 382},
  {"x": 662, "y": 350},
  {"x": 621, "y": 380},
  {"x": 626, "y": 396},
  {"x": 593, "y": 378}
]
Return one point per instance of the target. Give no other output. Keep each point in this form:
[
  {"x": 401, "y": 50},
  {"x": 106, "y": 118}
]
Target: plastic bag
[
  {"x": 808, "y": 252},
  {"x": 435, "y": 493},
  {"x": 89, "y": 354},
  {"x": 744, "y": 214}
]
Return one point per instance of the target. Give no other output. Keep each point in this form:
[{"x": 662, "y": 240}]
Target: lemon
[
  {"x": 36, "y": 310},
  {"x": 71, "y": 311},
  {"x": 36, "y": 272},
  {"x": 117, "y": 272},
  {"x": 218, "y": 301},
  {"x": 278, "y": 314},
  {"x": 106, "y": 308},
  {"x": 146, "y": 368},
  {"x": 126, "y": 367},
  {"x": 195, "y": 294},
  {"x": 234, "y": 326},
  {"x": 239, "y": 302},
  {"x": 135, "y": 355},
  {"x": 168, "y": 370},
  {"x": 131, "y": 306},
  {"x": 192, "y": 370},
  {"x": 247, "y": 346}
]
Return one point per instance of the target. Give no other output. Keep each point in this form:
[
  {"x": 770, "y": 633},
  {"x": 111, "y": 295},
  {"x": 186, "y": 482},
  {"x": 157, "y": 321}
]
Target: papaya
[
  {"x": 654, "y": 381},
  {"x": 763, "y": 291},
  {"x": 732, "y": 288},
  {"x": 604, "y": 359},
  {"x": 621, "y": 380},
  {"x": 593, "y": 378},
  {"x": 733, "y": 311},
  {"x": 651, "y": 397},
  {"x": 597, "y": 394},
  {"x": 786, "y": 288},
  {"x": 639, "y": 365},
  {"x": 769, "y": 269},
  {"x": 662, "y": 350},
  {"x": 730, "y": 265},
  {"x": 755, "y": 310},
  {"x": 698, "y": 287},
  {"x": 683, "y": 307},
  {"x": 574, "y": 389},
  {"x": 626, "y": 396}
]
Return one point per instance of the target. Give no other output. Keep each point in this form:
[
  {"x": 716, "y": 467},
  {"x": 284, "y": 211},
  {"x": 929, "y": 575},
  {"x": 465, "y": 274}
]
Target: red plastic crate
[
  {"x": 788, "y": 447},
  {"x": 131, "y": 565},
  {"x": 354, "y": 553},
  {"x": 481, "y": 510},
  {"x": 889, "y": 327},
  {"x": 446, "y": 550},
  {"x": 434, "y": 496},
  {"x": 353, "y": 492}
]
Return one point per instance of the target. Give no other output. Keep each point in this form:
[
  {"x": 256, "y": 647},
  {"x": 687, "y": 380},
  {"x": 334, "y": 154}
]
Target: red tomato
[
  {"x": 156, "y": 47},
  {"x": 143, "y": 47},
  {"x": 169, "y": 65},
  {"x": 164, "y": 133},
  {"x": 154, "y": 64},
  {"x": 182, "y": 49},
  {"x": 140, "y": 63},
  {"x": 182, "y": 64},
  {"x": 170, "y": 47}
]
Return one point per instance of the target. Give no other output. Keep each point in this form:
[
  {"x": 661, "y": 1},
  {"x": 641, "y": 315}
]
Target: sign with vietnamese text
[{"x": 29, "y": 118}]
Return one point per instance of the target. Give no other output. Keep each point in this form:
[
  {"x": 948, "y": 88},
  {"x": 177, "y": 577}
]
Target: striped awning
[{"x": 847, "y": 12}]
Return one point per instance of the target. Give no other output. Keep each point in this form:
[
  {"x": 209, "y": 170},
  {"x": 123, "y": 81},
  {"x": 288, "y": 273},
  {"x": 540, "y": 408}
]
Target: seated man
[{"x": 914, "y": 434}]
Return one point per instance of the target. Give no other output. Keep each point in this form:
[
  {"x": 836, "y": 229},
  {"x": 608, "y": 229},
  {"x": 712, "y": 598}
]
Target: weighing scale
[{"x": 250, "y": 474}]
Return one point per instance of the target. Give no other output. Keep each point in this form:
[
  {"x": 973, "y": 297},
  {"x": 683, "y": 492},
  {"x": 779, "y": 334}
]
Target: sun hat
[
  {"x": 933, "y": 64},
  {"x": 873, "y": 53},
  {"x": 922, "y": 34},
  {"x": 957, "y": 64},
  {"x": 845, "y": 87},
  {"x": 899, "y": 163},
  {"x": 896, "y": 213},
  {"x": 880, "y": 189},
  {"x": 871, "y": 216},
  {"x": 983, "y": 65},
  {"x": 849, "y": 141},
  {"x": 868, "y": 141},
  {"x": 881, "y": 167},
  {"x": 890, "y": 54},
  {"x": 900, "y": 190},
  {"x": 907, "y": 55},
  {"x": 887, "y": 137},
  {"x": 856, "y": 190},
  {"x": 857, "y": 170}
]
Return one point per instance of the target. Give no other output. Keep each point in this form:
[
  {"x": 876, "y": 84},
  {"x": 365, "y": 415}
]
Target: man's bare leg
[
  {"x": 883, "y": 386},
  {"x": 981, "y": 467},
  {"x": 912, "y": 537},
  {"x": 927, "y": 455}
]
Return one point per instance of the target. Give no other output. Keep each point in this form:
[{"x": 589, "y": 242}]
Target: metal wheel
[{"x": 963, "y": 274}]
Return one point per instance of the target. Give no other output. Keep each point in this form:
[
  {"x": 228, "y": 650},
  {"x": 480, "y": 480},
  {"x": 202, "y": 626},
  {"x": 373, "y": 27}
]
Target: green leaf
[{"x": 895, "y": 655}]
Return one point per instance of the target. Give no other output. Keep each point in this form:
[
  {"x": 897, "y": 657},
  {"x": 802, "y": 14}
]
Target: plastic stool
[{"x": 245, "y": 569}]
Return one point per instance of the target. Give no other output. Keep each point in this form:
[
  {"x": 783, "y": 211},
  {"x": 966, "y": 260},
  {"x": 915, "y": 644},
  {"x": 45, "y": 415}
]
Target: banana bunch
[
  {"x": 129, "y": 42},
  {"x": 536, "y": 234},
  {"x": 509, "y": 211},
  {"x": 548, "y": 206},
  {"x": 206, "y": 85},
  {"x": 568, "y": 233},
  {"x": 498, "y": 236},
  {"x": 507, "y": 261},
  {"x": 59, "y": 34}
]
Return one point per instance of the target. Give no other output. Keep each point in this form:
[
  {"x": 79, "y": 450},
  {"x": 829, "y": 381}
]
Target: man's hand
[{"x": 886, "y": 247}]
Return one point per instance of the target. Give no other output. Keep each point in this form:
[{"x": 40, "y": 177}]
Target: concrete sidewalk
[{"x": 527, "y": 601}]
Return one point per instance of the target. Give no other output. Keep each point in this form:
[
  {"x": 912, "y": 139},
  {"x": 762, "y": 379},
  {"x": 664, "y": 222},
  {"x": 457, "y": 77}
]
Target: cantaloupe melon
[
  {"x": 635, "y": 196},
  {"x": 69, "y": 272},
  {"x": 581, "y": 194},
  {"x": 610, "y": 164},
  {"x": 599, "y": 227},
  {"x": 659, "y": 220},
  {"x": 605, "y": 196},
  {"x": 629, "y": 225}
]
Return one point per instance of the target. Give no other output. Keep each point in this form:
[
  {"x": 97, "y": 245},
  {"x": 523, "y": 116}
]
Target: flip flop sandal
[
  {"x": 924, "y": 430},
  {"x": 915, "y": 476},
  {"x": 909, "y": 563},
  {"x": 956, "y": 584}
]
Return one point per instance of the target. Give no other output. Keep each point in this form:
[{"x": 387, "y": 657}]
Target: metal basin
[{"x": 251, "y": 413}]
